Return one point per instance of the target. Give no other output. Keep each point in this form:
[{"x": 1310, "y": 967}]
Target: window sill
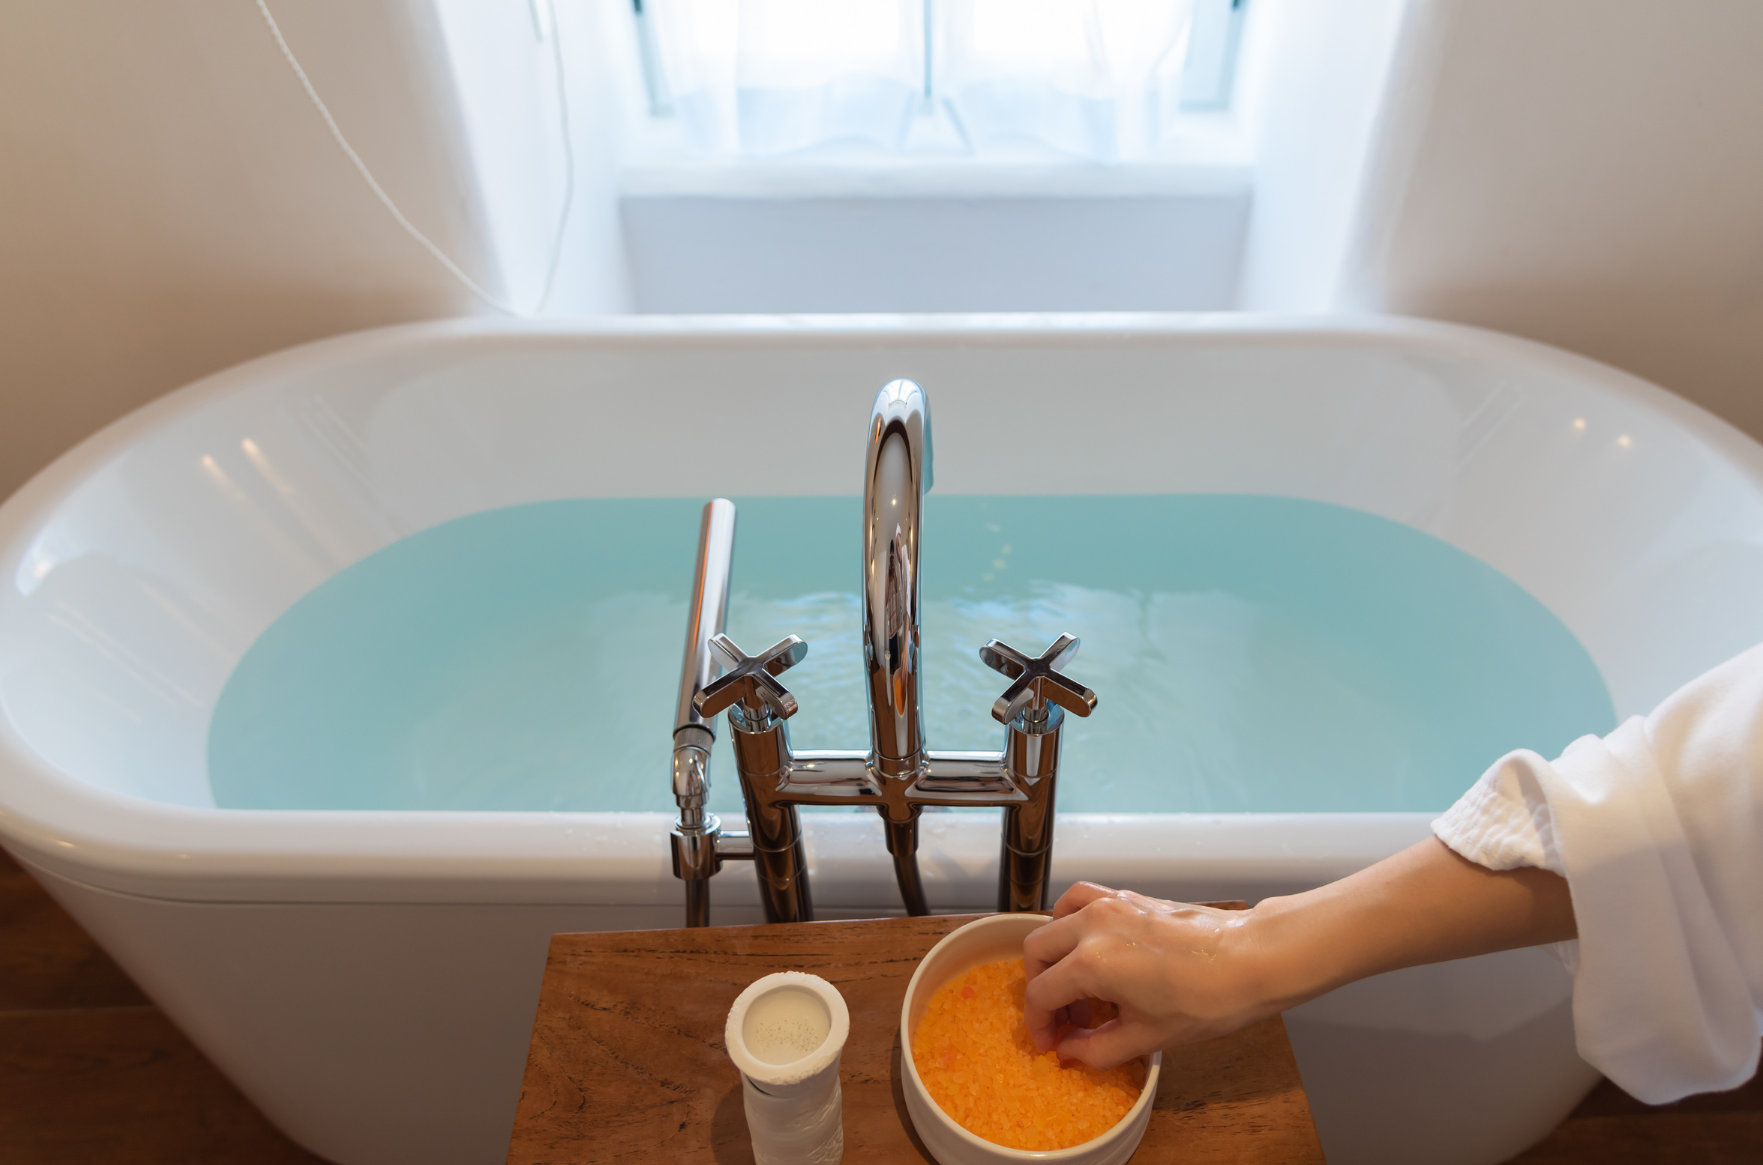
[{"x": 1210, "y": 160}]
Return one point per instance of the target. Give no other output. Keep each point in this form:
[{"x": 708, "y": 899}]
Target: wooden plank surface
[
  {"x": 122, "y": 1086},
  {"x": 627, "y": 1061}
]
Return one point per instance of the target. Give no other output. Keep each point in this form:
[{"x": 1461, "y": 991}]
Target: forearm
[{"x": 1424, "y": 905}]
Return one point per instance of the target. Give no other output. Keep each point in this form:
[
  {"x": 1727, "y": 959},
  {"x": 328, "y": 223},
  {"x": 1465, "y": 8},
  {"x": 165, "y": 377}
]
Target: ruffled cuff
[{"x": 1503, "y": 821}]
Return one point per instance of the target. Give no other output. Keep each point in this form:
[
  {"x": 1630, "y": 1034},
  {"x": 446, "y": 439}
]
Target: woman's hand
[{"x": 1178, "y": 973}]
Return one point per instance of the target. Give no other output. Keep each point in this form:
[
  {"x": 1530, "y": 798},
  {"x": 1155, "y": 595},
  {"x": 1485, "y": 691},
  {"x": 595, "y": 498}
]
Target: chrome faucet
[{"x": 896, "y": 774}]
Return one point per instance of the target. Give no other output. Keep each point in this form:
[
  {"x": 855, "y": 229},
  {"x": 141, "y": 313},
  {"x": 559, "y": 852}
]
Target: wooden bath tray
[{"x": 627, "y": 1063}]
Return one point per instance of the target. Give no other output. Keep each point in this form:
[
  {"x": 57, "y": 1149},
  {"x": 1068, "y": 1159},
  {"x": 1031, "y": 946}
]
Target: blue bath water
[{"x": 1250, "y": 653}]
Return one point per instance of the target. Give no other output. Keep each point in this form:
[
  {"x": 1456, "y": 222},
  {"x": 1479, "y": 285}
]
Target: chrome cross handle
[
  {"x": 1037, "y": 682},
  {"x": 748, "y": 680}
]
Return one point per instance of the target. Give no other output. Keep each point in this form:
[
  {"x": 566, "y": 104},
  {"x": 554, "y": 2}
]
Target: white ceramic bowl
[{"x": 984, "y": 941}]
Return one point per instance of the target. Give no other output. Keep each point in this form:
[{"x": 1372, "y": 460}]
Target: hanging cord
[{"x": 471, "y": 284}]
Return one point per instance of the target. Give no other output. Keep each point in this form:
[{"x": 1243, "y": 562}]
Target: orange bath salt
[{"x": 973, "y": 1052}]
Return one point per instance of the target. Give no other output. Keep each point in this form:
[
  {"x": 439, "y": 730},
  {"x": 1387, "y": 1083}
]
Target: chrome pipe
[
  {"x": 902, "y": 839},
  {"x": 695, "y": 833},
  {"x": 707, "y": 616},
  {"x": 698, "y": 902},
  {"x": 1025, "y": 844}
]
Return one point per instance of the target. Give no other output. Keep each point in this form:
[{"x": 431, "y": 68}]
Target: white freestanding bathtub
[{"x": 368, "y": 978}]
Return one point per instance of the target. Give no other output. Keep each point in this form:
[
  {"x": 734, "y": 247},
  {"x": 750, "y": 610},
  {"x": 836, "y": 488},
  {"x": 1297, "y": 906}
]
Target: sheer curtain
[{"x": 1095, "y": 79}]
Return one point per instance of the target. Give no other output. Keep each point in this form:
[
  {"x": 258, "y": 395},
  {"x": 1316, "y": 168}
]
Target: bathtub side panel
[
  {"x": 1473, "y": 1059},
  {"x": 369, "y": 1034}
]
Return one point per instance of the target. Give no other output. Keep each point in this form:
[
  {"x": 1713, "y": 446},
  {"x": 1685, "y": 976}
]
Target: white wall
[
  {"x": 171, "y": 204},
  {"x": 1585, "y": 172},
  {"x": 504, "y": 81},
  {"x": 1588, "y": 173}
]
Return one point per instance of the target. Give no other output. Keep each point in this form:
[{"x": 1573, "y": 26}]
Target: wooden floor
[{"x": 91, "y": 1072}]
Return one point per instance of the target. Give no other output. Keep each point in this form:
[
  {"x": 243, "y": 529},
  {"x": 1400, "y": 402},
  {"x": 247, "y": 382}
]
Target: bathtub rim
[
  {"x": 622, "y": 859},
  {"x": 196, "y": 853}
]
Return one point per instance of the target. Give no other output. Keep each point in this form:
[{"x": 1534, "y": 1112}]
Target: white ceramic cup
[
  {"x": 986, "y": 941},
  {"x": 785, "y": 1033}
]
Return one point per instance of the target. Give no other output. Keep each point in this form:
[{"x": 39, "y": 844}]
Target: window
[{"x": 1099, "y": 80}]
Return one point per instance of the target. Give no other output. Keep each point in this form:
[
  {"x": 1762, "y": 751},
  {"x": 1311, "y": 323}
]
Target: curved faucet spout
[{"x": 897, "y": 473}]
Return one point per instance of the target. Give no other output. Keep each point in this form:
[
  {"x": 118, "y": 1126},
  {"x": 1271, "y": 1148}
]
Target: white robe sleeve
[{"x": 1658, "y": 829}]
